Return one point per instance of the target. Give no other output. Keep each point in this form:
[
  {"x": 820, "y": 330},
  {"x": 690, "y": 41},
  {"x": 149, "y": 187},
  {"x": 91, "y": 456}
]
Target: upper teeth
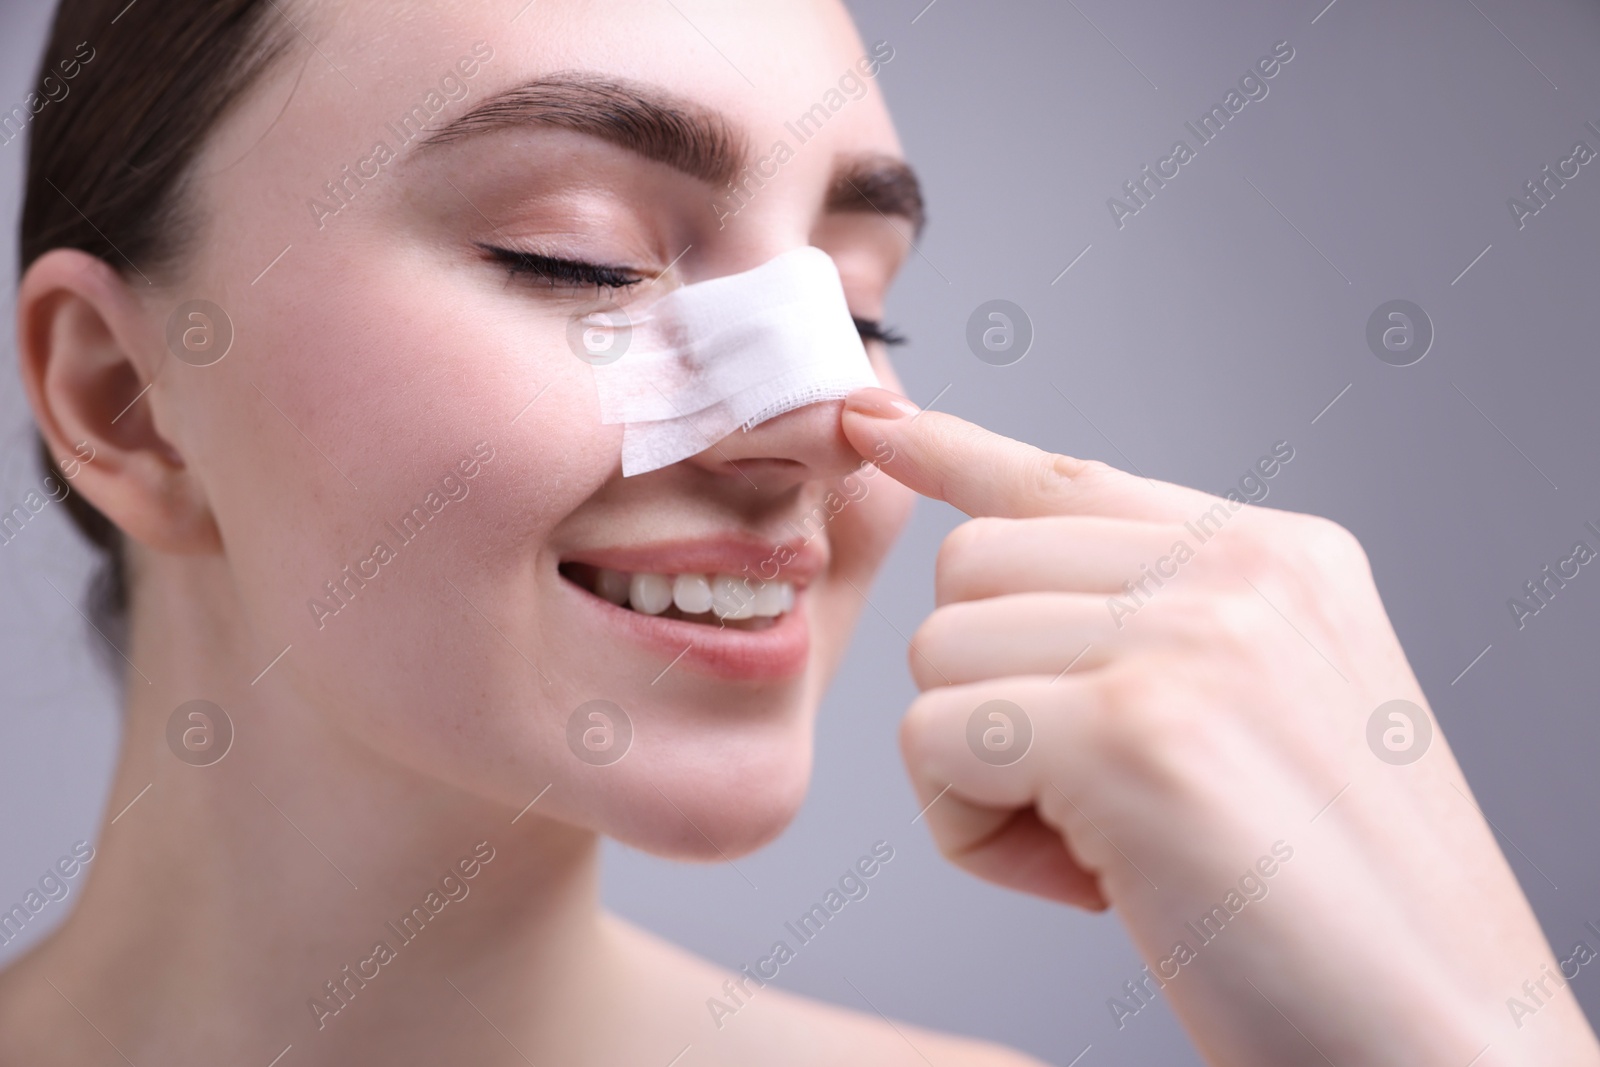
[{"x": 724, "y": 595}]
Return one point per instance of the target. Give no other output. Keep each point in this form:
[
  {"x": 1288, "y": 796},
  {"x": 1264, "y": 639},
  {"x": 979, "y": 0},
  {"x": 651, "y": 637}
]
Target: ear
[{"x": 91, "y": 359}]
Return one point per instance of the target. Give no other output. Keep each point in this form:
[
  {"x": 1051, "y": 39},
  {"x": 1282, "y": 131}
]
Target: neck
[{"x": 303, "y": 889}]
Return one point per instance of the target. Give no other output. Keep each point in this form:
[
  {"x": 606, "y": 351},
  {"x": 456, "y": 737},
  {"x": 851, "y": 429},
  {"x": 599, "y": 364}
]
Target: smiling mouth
[{"x": 721, "y": 600}]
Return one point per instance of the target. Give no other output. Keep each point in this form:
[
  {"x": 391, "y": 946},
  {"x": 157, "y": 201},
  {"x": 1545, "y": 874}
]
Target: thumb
[{"x": 985, "y": 473}]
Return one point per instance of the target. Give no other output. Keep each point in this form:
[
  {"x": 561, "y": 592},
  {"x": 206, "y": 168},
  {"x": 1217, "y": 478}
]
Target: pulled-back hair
[{"x": 125, "y": 96}]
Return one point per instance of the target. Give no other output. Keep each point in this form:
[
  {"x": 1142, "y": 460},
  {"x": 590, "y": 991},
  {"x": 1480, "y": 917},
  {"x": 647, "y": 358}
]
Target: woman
[{"x": 300, "y": 282}]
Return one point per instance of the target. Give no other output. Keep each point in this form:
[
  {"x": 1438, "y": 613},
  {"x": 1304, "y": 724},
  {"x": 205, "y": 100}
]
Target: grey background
[{"x": 1188, "y": 342}]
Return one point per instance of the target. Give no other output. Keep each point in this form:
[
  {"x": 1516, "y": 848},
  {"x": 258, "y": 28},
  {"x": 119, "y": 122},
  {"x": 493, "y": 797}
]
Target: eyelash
[
  {"x": 875, "y": 330},
  {"x": 556, "y": 272},
  {"x": 571, "y": 272}
]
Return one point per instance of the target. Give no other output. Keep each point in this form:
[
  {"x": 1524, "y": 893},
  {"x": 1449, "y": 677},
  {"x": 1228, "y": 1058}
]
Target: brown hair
[{"x": 108, "y": 160}]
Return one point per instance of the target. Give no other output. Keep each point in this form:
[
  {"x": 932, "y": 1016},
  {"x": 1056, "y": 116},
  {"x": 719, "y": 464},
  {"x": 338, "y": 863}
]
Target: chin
[{"x": 708, "y": 809}]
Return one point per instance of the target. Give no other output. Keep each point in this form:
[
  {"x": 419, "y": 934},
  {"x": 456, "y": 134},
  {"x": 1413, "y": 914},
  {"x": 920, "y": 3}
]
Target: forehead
[{"x": 761, "y": 64}]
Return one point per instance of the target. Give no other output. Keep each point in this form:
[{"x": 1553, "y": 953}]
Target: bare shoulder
[
  {"x": 739, "y": 1020},
  {"x": 837, "y": 1035}
]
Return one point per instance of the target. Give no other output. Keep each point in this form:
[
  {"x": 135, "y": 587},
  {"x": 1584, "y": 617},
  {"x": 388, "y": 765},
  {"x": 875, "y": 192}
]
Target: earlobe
[{"x": 91, "y": 361}]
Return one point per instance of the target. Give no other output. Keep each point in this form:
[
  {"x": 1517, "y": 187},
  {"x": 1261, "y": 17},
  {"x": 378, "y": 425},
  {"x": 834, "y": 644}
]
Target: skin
[
  {"x": 422, "y": 718},
  {"x": 427, "y": 714},
  {"x": 1217, "y": 731}
]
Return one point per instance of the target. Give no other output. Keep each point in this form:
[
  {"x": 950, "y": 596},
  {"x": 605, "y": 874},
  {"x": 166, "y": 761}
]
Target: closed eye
[
  {"x": 553, "y": 272},
  {"x": 875, "y": 330}
]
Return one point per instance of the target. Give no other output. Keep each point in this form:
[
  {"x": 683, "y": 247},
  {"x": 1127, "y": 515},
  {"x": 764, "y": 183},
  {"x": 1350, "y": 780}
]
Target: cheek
[{"x": 410, "y": 615}]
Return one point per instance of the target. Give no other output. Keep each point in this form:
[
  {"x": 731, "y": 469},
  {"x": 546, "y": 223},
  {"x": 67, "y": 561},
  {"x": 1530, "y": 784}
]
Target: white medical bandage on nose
[{"x": 728, "y": 353}]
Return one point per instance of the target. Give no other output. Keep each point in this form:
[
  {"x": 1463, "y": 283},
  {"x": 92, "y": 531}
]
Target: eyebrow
[
  {"x": 878, "y": 183},
  {"x": 682, "y": 133},
  {"x": 657, "y": 125}
]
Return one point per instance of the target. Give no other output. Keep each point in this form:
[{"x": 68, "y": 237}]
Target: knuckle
[
  {"x": 1151, "y": 729},
  {"x": 1298, "y": 559},
  {"x": 1136, "y": 708},
  {"x": 1054, "y": 476},
  {"x": 1328, "y": 545},
  {"x": 935, "y": 642},
  {"x": 1083, "y": 468},
  {"x": 1267, "y": 548},
  {"x": 1090, "y": 473},
  {"x": 1237, "y": 621},
  {"x": 1040, "y": 472},
  {"x": 933, "y": 631},
  {"x": 1251, "y": 551},
  {"x": 961, "y": 554},
  {"x": 1078, "y": 485},
  {"x": 912, "y": 725},
  {"x": 916, "y": 731},
  {"x": 922, "y": 675}
]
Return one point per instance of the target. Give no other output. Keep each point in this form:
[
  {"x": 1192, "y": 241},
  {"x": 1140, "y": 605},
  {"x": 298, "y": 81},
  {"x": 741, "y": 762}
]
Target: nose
[{"x": 806, "y": 444}]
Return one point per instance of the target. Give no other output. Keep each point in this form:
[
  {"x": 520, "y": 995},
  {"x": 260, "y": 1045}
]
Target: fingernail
[{"x": 876, "y": 403}]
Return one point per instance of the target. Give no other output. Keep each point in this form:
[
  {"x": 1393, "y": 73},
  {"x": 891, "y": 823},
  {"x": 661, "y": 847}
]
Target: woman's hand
[{"x": 1188, "y": 734}]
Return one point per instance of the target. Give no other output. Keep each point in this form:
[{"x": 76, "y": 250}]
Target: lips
[{"x": 728, "y": 607}]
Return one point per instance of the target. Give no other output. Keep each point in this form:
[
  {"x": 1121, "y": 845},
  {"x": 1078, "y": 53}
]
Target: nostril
[{"x": 805, "y": 444}]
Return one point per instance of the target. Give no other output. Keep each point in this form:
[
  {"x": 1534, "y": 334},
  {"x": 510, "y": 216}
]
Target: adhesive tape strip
[{"x": 728, "y": 353}]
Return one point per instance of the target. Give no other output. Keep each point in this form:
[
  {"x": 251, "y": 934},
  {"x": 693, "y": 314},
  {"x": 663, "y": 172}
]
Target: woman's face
[{"x": 405, "y": 458}]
